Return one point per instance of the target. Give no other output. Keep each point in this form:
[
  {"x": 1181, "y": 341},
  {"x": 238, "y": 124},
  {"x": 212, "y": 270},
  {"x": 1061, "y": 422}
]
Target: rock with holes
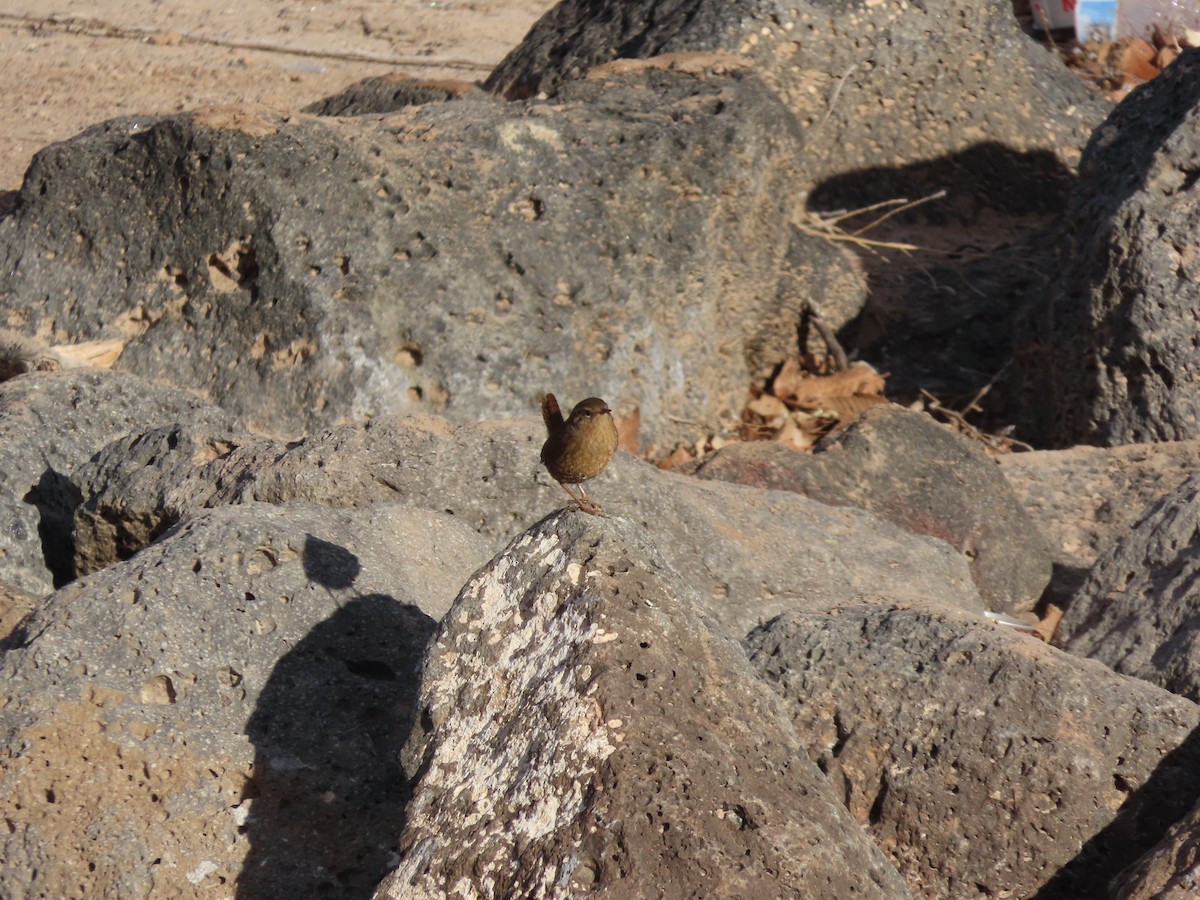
[
  {"x": 982, "y": 761},
  {"x": 904, "y": 467},
  {"x": 1109, "y": 354},
  {"x": 51, "y": 423},
  {"x": 466, "y": 256},
  {"x": 15, "y": 604},
  {"x": 953, "y": 84},
  {"x": 751, "y": 554},
  {"x": 216, "y": 715},
  {"x": 583, "y": 732},
  {"x": 945, "y": 102},
  {"x": 1138, "y": 610},
  {"x": 1085, "y": 499}
]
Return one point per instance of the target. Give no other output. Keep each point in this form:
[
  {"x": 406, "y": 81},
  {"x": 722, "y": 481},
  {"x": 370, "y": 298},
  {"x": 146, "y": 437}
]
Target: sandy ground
[{"x": 67, "y": 66}]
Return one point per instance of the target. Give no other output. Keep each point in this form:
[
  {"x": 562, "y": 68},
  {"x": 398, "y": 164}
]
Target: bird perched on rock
[{"x": 579, "y": 448}]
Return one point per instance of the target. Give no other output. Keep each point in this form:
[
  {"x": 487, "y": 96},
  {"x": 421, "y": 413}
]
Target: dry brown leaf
[
  {"x": 791, "y": 374},
  {"x": 768, "y": 407},
  {"x": 847, "y": 409},
  {"x": 98, "y": 354},
  {"x": 792, "y": 435},
  {"x": 1163, "y": 37},
  {"x": 803, "y": 430},
  {"x": 677, "y": 457},
  {"x": 627, "y": 430},
  {"x": 1137, "y": 60},
  {"x": 804, "y": 391},
  {"x": 1048, "y": 624}
]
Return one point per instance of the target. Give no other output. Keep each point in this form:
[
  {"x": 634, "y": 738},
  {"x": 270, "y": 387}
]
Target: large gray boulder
[
  {"x": 907, "y": 469},
  {"x": 1085, "y": 499},
  {"x": 982, "y": 761},
  {"x": 51, "y": 423},
  {"x": 1138, "y": 611},
  {"x": 1109, "y": 356},
  {"x": 875, "y": 85},
  {"x": 624, "y": 241},
  {"x": 896, "y": 100},
  {"x": 217, "y": 715},
  {"x": 584, "y": 732},
  {"x": 751, "y": 554}
]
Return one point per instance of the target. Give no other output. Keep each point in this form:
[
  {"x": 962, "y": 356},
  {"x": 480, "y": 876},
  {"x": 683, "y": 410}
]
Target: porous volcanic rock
[
  {"x": 216, "y": 715},
  {"x": 624, "y": 241},
  {"x": 982, "y": 761},
  {"x": 50, "y": 423},
  {"x": 389, "y": 93},
  {"x": 1085, "y": 499},
  {"x": 875, "y": 85},
  {"x": 1138, "y": 611},
  {"x": 907, "y": 469},
  {"x": 583, "y": 733},
  {"x": 15, "y": 604},
  {"x": 1109, "y": 355},
  {"x": 751, "y": 554}
]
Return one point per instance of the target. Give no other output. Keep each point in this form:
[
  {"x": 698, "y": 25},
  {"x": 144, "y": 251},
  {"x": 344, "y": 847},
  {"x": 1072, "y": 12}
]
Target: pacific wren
[{"x": 579, "y": 448}]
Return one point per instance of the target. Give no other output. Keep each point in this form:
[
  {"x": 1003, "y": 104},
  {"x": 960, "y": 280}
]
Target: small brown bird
[{"x": 579, "y": 448}]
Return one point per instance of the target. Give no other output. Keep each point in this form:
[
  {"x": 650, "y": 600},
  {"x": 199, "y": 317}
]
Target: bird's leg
[
  {"x": 590, "y": 505},
  {"x": 584, "y": 502}
]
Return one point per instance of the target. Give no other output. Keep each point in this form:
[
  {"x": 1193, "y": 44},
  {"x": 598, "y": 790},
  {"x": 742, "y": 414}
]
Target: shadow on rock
[
  {"x": 328, "y": 564},
  {"x": 328, "y": 793},
  {"x": 55, "y": 499},
  {"x": 986, "y": 178},
  {"x": 1099, "y": 358},
  {"x": 1142, "y": 821},
  {"x": 941, "y": 317}
]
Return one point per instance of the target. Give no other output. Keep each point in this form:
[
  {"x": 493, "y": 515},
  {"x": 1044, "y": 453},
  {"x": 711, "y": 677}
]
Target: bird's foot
[{"x": 588, "y": 505}]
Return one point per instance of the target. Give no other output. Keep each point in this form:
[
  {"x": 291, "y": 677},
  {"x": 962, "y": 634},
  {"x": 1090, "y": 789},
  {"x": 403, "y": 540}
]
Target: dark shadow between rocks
[
  {"x": 1065, "y": 582},
  {"x": 988, "y": 178},
  {"x": 942, "y": 317},
  {"x": 328, "y": 795},
  {"x": 56, "y": 499},
  {"x": 1169, "y": 793},
  {"x": 1081, "y": 335}
]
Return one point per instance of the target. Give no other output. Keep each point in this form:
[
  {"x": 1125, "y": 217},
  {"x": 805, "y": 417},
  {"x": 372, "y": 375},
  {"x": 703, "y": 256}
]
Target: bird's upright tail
[{"x": 551, "y": 414}]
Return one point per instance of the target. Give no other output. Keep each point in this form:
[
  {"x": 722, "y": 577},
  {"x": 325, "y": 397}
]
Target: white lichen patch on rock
[{"x": 517, "y": 737}]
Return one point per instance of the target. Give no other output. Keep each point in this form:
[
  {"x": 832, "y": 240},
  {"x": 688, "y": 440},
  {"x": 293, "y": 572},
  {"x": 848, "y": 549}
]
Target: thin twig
[
  {"x": 840, "y": 214},
  {"x": 1041, "y": 14},
  {"x": 960, "y": 421},
  {"x": 680, "y": 421},
  {"x": 812, "y": 313},
  {"x": 834, "y": 95},
  {"x": 936, "y": 195},
  {"x": 836, "y": 234}
]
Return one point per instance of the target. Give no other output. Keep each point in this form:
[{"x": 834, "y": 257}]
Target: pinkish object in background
[
  {"x": 1053, "y": 14},
  {"x": 1137, "y": 18},
  {"x": 1107, "y": 20}
]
